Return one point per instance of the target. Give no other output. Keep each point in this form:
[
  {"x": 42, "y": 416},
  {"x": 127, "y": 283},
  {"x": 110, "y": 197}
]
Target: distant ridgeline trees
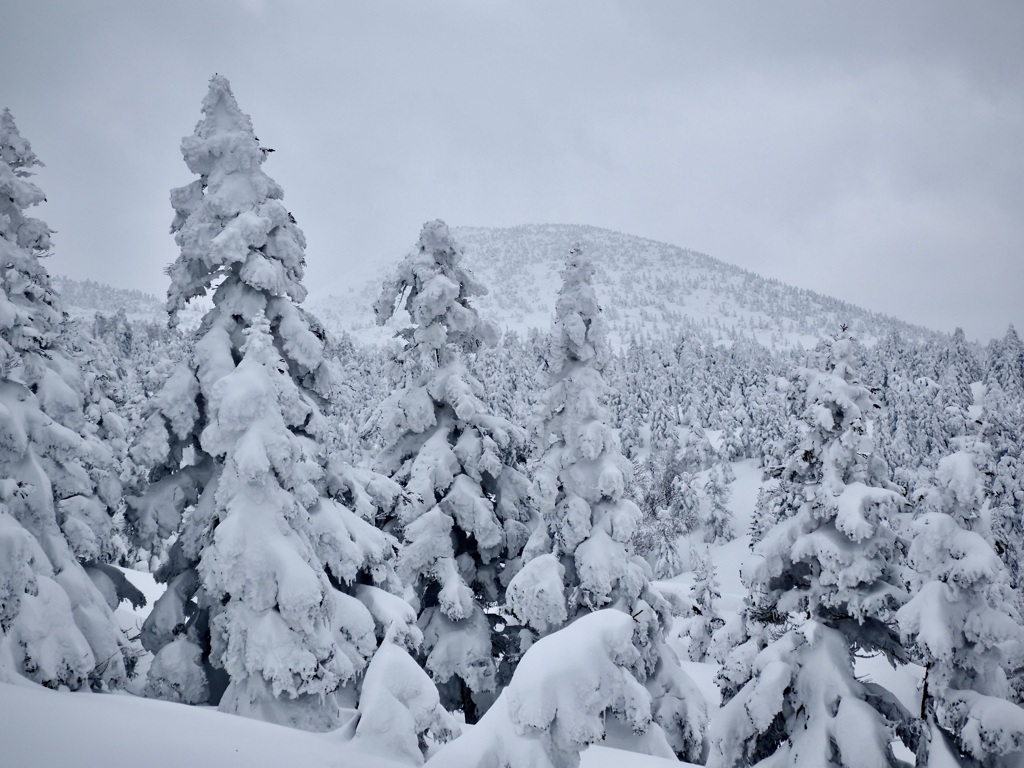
[{"x": 465, "y": 525}]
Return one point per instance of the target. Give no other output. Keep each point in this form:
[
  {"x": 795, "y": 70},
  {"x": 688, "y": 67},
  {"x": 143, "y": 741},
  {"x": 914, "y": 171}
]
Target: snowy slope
[
  {"x": 644, "y": 286},
  {"x": 40, "y": 728},
  {"x": 115, "y": 730}
]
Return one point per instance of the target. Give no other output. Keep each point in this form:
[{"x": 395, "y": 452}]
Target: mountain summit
[{"x": 645, "y": 287}]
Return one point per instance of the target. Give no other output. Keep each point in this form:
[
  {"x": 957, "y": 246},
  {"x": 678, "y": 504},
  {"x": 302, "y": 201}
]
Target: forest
[{"x": 463, "y": 544}]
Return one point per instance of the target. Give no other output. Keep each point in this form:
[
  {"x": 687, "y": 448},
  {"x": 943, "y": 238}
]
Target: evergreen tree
[
  {"x": 705, "y": 592},
  {"x": 57, "y": 490},
  {"x": 958, "y": 621},
  {"x": 465, "y": 523},
  {"x": 581, "y": 560},
  {"x": 258, "y": 615},
  {"x": 826, "y": 578},
  {"x": 719, "y": 523},
  {"x": 1006, "y": 363}
]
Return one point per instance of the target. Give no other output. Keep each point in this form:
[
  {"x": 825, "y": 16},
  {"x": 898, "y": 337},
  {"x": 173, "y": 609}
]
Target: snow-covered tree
[
  {"x": 959, "y": 619},
  {"x": 718, "y": 526},
  {"x": 704, "y": 593},
  {"x": 825, "y": 577},
  {"x": 669, "y": 514},
  {"x": 258, "y": 615},
  {"x": 57, "y": 490},
  {"x": 465, "y": 521},
  {"x": 560, "y": 698},
  {"x": 1006, "y": 363},
  {"x": 581, "y": 558},
  {"x": 399, "y": 705}
]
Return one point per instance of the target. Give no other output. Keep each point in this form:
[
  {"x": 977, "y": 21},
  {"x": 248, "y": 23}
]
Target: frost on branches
[
  {"x": 465, "y": 521},
  {"x": 258, "y": 615},
  {"x": 824, "y": 578},
  {"x": 56, "y": 490},
  {"x": 580, "y": 558}
]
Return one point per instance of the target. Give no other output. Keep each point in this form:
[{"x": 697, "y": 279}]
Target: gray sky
[{"x": 872, "y": 151}]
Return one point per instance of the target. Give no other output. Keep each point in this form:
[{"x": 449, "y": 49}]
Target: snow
[
  {"x": 124, "y": 731},
  {"x": 641, "y": 283}
]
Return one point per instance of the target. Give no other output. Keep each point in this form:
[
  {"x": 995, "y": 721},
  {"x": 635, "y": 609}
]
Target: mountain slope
[{"x": 645, "y": 287}]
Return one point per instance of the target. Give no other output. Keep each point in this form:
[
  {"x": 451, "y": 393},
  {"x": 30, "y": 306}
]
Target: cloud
[{"x": 867, "y": 150}]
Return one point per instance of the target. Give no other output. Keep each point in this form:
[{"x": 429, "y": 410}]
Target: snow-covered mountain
[{"x": 644, "y": 286}]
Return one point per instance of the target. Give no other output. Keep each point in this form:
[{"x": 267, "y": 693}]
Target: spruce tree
[
  {"x": 465, "y": 519},
  {"x": 258, "y": 615},
  {"x": 719, "y": 522},
  {"x": 581, "y": 558},
  {"x": 57, "y": 487},
  {"x": 705, "y": 593},
  {"x": 958, "y": 622},
  {"x": 825, "y": 581}
]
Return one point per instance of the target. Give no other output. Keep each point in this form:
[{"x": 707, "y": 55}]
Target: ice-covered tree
[
  {"x": 825, "y": 578},
  {"x": 258, "y": 615},
  {"x": 581, "y": 558},
  {"x": 465, "y": 521},
  {"x": 959, "y": 619},
  {"x": 57, "y": 489}
]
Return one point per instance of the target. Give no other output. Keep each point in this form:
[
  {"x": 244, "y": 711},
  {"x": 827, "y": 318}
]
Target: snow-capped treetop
[
  {"x": 579, "y": 332},
  {"x": 434, "y": 288},
  {"x": 231, "y": 220},
  {"x": 16, "y": 151},
  {"x": 834, "y": 447}
]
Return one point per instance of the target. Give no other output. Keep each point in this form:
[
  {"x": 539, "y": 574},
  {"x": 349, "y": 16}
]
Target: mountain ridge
[{"x": 646, "y": 287}]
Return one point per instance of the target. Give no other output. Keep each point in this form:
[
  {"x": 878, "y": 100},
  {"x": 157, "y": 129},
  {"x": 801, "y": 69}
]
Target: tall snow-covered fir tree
[
  {"x": 467, "y": 515},
  {"x": 57, "y": 485},
  {"x": 825, "y": 576},
  {"x": 581, "y": 559},
  {"x": 259, "y": 614}
]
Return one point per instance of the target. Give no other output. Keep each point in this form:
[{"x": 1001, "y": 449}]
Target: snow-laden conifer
[
  {"x": 258, "y": 615},
  {"x": 824, "y": 577},
  {"x": 560, "y": 699},
  {"x": 57, "y": 487},
  {"x": 465, "y": 519},
  {"x": 718, "y": 526},
  {"x": 705, "y": 593},
  {"x": 581, "y": 558},
  {"x": 958, "y": 621}
]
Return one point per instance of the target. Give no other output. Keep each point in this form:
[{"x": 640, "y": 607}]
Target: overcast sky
[{"x": 872, "y": 151}]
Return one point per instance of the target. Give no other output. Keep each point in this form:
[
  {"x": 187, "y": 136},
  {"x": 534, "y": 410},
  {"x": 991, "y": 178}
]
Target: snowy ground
[{"x": 125, "y": 731}]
